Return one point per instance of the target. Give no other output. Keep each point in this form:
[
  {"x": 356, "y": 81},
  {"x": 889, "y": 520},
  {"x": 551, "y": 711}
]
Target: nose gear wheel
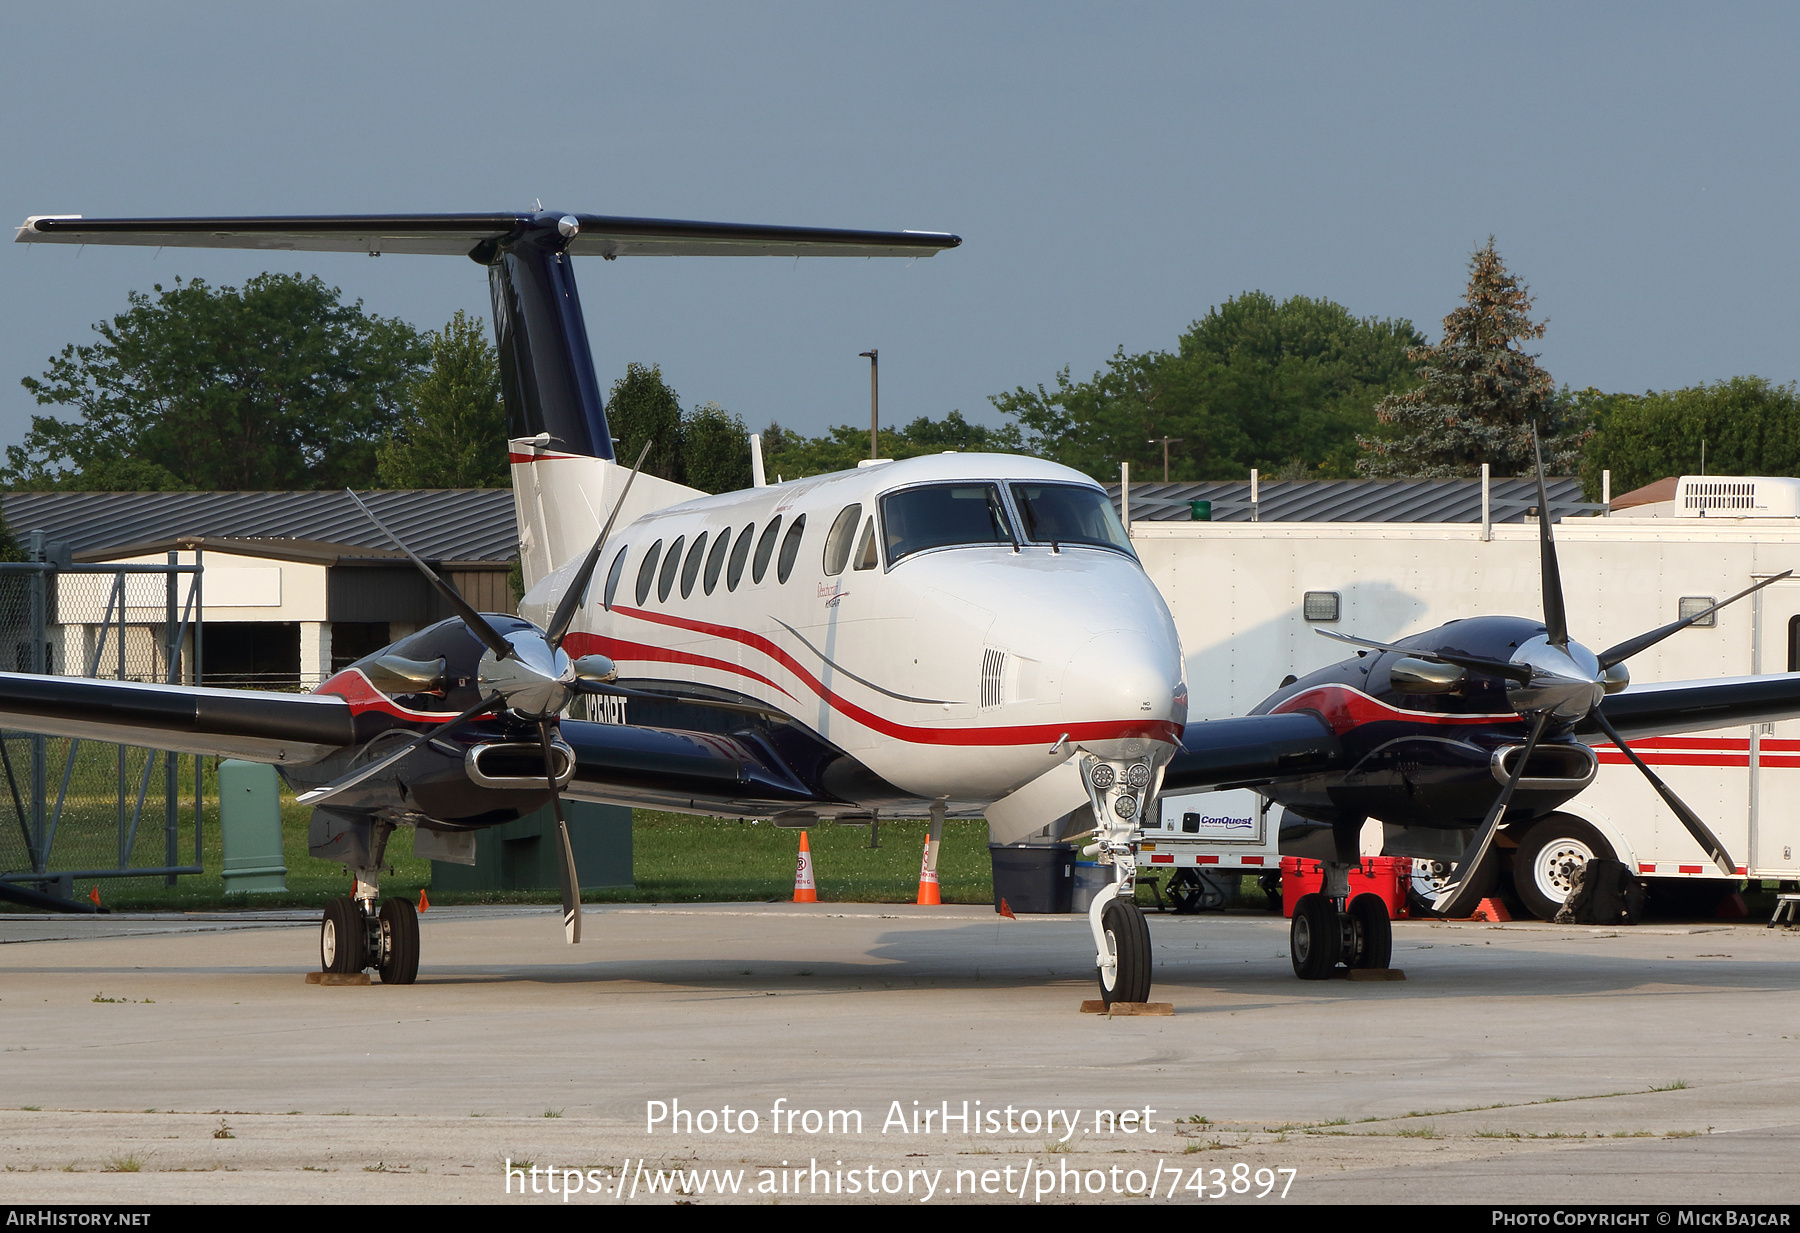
[{"x": 1128, "y": 942}]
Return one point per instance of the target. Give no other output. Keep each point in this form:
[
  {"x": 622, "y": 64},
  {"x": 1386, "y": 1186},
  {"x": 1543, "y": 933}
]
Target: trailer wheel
[{"x": 1548, "y": 855}]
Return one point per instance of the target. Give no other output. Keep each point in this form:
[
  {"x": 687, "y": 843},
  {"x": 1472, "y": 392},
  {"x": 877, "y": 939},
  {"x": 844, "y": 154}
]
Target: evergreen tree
[
  {"x": 454, "y": 433},
  {"x": 643, "y": 408},
  {"x": 1480, "y": 395}
]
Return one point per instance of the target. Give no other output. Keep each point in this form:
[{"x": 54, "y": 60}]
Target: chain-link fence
[{"x": 89, "y": 809}]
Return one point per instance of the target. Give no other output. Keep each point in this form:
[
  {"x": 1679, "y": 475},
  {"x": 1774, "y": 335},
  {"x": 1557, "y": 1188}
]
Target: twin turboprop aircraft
[{"x": 959, "y": 635}]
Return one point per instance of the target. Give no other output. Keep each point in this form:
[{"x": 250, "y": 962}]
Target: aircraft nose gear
[{"x": 1118, "y": 792}]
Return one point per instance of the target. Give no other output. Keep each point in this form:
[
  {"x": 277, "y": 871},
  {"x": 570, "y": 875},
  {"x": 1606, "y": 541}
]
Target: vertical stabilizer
[{"x": 546, "y": 367}]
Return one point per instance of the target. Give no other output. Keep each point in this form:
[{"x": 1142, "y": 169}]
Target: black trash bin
[{"x": 1035, "y": 879}]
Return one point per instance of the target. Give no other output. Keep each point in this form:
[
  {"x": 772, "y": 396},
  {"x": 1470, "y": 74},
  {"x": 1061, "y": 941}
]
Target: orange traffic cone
[
  {"x": 805, "y": 890},
  {"x": 95, "y": 894},
  {"x": 1005, "y": 911},
  {"x": 424, "y": 903},
  {"x": 928, "y": 879}
]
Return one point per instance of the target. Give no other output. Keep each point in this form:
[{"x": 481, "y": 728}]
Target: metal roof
[
  {"x": 440, "y": 524},
  {"x": 1370, "y": 500}
]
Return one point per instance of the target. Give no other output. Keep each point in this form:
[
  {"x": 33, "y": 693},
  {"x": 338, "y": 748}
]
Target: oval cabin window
[
  {"x": 740, "y": 553},
  {"x": 715, "y": 560},
  {"x": 613, "y": 575},
  {"x": 790, "y": 549},
  {"x": 691, "y": 571},
  {"x": 647, "y": 573},
  {"x": 665, "y": 581},
  {"x": 765, "y": 548}
]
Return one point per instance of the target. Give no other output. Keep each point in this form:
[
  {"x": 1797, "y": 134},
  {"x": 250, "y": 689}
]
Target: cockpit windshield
[
  {"x": 1069, "y": 514},
  {"x": 943, "y": 516}
]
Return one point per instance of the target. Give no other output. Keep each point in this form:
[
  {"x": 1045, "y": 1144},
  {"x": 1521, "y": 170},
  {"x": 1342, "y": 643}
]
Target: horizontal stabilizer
[{"x": 457, "y": 235}]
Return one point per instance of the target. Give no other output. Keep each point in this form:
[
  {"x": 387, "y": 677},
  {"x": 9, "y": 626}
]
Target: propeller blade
[
  {"x": 650, "y": 695},
  {"x": 1512, "y": 672},
  {"x": 1458, "y": 898},
  {"x": 1709, "y": 842},
  {"x": 1631, "y": 646},
  {"x": 1556, "y": 618},
  {"x": 474, "y": 620},
  {"x": 565, "y": 853},
  {"x": 571, "y": 600},
  {"x": 361, "y": 773}
]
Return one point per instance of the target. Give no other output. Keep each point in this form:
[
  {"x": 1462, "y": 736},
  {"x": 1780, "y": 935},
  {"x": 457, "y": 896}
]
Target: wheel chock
[
  {"x": 1094, "y": 1006},
  {"x": 337, "y": 978}
]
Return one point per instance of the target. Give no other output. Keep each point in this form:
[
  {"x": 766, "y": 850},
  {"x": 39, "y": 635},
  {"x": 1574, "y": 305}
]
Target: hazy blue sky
[{"x": 1114, "y": 171}]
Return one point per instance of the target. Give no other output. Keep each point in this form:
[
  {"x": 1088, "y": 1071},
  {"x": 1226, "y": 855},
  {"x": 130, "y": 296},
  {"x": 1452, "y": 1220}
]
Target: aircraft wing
[
  {"x": 1694, "y": 706},
  {"x": 1252, "y": 749},
  {"x": 292, "y": 729},
  {"x": 457, "y": 234}
]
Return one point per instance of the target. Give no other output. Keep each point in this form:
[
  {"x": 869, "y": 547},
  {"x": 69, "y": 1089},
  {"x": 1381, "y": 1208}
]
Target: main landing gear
[
  {"x": 354, "y": 936},
  {"x": 1325, "y": 935},
  {"x": 352, "y": 939},
  {"x": 1331, "y": 929}
]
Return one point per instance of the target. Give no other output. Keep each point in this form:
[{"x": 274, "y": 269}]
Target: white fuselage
[{"x": 956, "y": 673}]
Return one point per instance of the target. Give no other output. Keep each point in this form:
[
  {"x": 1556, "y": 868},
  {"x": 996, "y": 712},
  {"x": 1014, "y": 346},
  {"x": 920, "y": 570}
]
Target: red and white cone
[
  {"x": 928, "y": 879},
  {"x": 805, "y": 890}
]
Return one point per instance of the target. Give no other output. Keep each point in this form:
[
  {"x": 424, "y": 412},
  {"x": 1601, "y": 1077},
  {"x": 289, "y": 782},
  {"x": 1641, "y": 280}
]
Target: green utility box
[
  {"x": 522, "y": 855},
  {"x": 250, "y": 828},
  {"x": 1200, "y": 511}
]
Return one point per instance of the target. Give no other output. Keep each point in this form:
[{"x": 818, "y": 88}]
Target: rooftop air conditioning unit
[{"x": 1736, "y": 496}]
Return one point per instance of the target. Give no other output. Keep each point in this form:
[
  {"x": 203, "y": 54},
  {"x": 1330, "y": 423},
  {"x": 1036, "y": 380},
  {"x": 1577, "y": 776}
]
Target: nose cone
[
  {"x": 1568, "y": 683},
  {"x": 1126, "y": 683}
]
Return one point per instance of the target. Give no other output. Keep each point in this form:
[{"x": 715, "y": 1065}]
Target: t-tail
[{"x": 561, "y": 449}]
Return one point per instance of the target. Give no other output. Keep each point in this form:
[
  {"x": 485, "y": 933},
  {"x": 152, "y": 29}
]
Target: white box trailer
[{"x": 1238, "y": 592}]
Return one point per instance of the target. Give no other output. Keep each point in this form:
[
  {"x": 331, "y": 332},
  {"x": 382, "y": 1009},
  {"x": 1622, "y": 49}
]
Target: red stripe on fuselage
[
  {"x": 1155, "y": 729},
  {"x": 1344, "y": 708},
  {"x": 356, "y": 689}
]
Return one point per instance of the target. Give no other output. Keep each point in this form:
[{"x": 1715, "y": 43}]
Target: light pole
[
  {"x": 874, "y": 358},
  {"x": 1165, "y": 442}
]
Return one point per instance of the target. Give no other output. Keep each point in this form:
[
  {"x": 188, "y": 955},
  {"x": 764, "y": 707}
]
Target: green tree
[
  {"x": 1746, "y": 425},
  {"x": 715, "y": 449},
  {"x": 453, "y": 432},
  {"x": 790, "y": 455},
  {"x": 1480, "y": 395},
  {"x": 1283, "y": 385},
  {"x": 643, "y": 408},
  {"x": 276, "y": 385}
]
